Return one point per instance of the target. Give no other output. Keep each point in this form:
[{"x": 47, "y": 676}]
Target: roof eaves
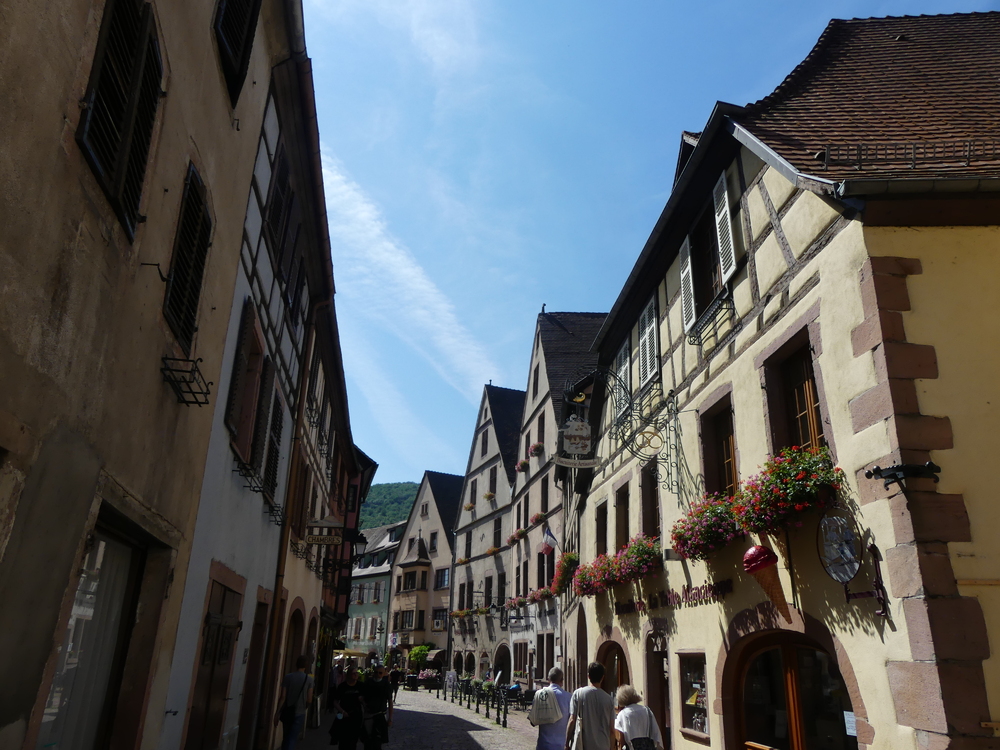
[
  {"x": 777, "y": 162},
  {"x": 716, "y": 122}
]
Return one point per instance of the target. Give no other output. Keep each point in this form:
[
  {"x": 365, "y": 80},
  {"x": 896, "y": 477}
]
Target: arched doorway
[
  {"x": 582, "y": 658},
  {"x": 456, "y": 664},
  {"x": 792, "y": 696},
  {"x": 484, "y": 664},
  {"x": 470, "y": 664},
  {"x": 501, "y": 665},
  {"x": 309, "y": 649},
  {"x": 612, "y": 656},
  {"x": 396, "y": 658},
  {"x": 293, "y": 639}
]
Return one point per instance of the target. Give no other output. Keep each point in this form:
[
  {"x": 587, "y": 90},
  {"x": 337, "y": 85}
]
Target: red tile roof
[{"x": 931, "y": 83}]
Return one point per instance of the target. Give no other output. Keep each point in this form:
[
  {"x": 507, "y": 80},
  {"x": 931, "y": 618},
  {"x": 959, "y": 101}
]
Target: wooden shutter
[
  {"x": 240, "y": 366},
  {"x": 120, "y": 106},
  {"x": 235, "y": 25},
  {"x": 623, "y": 386},
  {"x": 724, "y": 229},
  {"x": 262, "y": 416},
  {"x": 648, "y": 354},
  {"x": 194, "y": 229},
  {"x": 274, "y": 449},
  {"x": 687, "y": 286}
]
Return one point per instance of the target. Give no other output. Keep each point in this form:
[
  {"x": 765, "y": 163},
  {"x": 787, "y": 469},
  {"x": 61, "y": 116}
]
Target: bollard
[
  {"x": 479, "y": 692},
  {"x": 489, "y": 698},
  {"x": 500, "y": 699},
  {"x": 505, "y": 714}
]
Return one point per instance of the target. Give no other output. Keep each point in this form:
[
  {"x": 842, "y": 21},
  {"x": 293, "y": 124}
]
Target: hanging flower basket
[
  {"x": 492, "y": 550},
  {"x": 523, "y": 465},
  {"x": 489, "y": 496},
  {"x": 566, "y": 566},
  {"x": 536, "y": 449},
  {"x": 537, "y": 519},
  {"x": 706, "y": 528},
  {"x": 637, "y": 559},
  {"x": 791, "y": 484}
]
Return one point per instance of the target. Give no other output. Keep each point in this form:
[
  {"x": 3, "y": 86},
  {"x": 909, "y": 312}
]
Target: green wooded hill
[{"x": 388, "y": 503}]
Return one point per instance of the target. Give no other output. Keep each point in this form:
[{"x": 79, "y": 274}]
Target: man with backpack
[
  {"x": 591, "y": 714},
  {"x": 293, "y": 700},
  {"x": 549, "y": 712}
]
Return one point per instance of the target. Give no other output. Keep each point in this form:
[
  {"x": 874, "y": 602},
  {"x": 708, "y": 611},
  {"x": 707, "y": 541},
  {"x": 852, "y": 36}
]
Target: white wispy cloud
[
  {"x": 444, "y": 33},
  {"x": 383, "y": 282}
]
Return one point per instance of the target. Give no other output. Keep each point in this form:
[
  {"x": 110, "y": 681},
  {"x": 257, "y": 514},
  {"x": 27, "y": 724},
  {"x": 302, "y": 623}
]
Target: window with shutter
[
  {"x": 623, "y": 382},
  {"x": 187, "y": 267},
  {"x": 724, "y": 229},
  {"x": 688, "y": 312},
  {"x": 119, "y": 108},
  {"x": 261, "y": 417},
  {"x": 274, "y": 449},
  {"x": 493, "y": 480},
  {"x": 235, "y": 25},
  {"x": 244, "y": 388},
  {"x": 649, "y": 357}
]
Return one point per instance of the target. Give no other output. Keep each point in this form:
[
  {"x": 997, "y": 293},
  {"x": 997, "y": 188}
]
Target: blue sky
[{"x": 483, "y": 157}]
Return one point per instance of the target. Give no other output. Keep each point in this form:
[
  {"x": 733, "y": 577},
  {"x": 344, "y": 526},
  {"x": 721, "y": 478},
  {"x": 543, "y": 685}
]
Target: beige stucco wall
[
  {"x": 954, "y": 304},
  {"x": 868, "y": 641}
]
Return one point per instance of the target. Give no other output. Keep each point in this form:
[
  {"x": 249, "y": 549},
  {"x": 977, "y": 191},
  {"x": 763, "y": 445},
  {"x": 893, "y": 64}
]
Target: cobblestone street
[{"x": 423, "y": 722}]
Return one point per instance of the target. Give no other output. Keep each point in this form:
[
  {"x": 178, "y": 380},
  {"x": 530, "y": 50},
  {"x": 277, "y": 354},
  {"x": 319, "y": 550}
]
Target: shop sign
[
  {"x": 335, "y": 539},
  {"x": 577, "y": 463},
  {"x": 688, "y": 596},
  {"x": 576, "y": 436}
]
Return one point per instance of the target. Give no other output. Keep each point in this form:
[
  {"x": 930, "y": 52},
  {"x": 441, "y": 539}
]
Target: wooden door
[
  {"x": 211, "y": 688},
  {"x": 793, "y": 698},
  {"x": 251, "y": 682}
]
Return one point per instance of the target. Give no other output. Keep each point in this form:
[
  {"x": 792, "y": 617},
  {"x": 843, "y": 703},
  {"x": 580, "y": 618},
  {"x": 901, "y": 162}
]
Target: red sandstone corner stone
[
  {"x": 917, "y": 432},
  {"x": 916, "y": 695},
  {"x": 904, "y": 360},
  {"x": 895, "y": 266}
]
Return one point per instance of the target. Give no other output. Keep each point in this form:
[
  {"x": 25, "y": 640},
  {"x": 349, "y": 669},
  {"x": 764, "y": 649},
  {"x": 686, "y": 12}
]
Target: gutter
[{"x": 903, "y": 186}]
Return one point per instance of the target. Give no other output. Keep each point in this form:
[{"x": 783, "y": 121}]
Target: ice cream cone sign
[{"x": 760, "y": 562}]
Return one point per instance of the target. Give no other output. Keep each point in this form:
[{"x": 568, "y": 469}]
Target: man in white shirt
[
  {"x": 591, "y": 715},
  {"x": 551, "y": 735}
]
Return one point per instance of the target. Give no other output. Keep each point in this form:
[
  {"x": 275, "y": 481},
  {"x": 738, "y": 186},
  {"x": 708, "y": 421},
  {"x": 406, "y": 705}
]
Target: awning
[
  {"x": 435, "y": 654},
  {"x": 349, "y": 652}
]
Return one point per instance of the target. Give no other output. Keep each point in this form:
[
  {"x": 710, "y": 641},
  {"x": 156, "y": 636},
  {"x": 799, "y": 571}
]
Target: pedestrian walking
[
  {"x": 591, "y": 714},
  {"x": 395, "y": 677},
  {"x": 635, "y": 725},
  {"x": 349, "y": 705},
  {"x": 377, "y": 695},
  {"x": 550, "y": 713},
  {"x": 293, "y": 700}
]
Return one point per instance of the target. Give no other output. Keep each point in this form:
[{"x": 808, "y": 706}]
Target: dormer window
[{"x": 707, "y": 256}]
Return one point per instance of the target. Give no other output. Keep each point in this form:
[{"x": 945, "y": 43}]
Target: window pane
[
  {"x": 80, "y": 689},
  {"x": 823, "y": 701},
  {"x": 764, "y": 711}
]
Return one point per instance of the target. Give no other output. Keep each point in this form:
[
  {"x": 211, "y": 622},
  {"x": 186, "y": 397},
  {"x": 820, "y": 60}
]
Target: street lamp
[{"x": 360, "y": 545}]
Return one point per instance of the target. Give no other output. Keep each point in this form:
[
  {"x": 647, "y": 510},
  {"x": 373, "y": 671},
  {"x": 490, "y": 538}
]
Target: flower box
[
  {"x": 637, "y": 559},
  {"x": 489, "y": 496},
  {"x": 492, "y": 550},
  {"x": 706, "y": 528},
  {"x": 539, "y": 595},
  {"x": 523, "y": 465},
  {"x": 517, "y": 536},
  {"x": 566, "y": 565},
  {"x": 515, "y": 602},
  {"x": 790, "y": 485},
  {"x": 536, "y": 449},
  {"x": 537, "y": 519},
  {"x": 482, "y": 610},
  {"x": 461, "y": 561},
  {"x": 470, "y": 506}
]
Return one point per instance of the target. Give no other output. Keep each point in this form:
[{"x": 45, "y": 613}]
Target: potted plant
[
  {"x": 492, "y": 550},
  {"x": 470, "y": 506},
  {"x": 566, "y": 565},
  {"x": 708, "y": 526},
  {"x": 489, "y": 496},
  {"x": 461, "y": 561},
  {"x": 536, "y": 449},
  {"x": 791, "y": 484},
  {"x": 523, "y": 465},
  {"x": 537, "y": 519}
]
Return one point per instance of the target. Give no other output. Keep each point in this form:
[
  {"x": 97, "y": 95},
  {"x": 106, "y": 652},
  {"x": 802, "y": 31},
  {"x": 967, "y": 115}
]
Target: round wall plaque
[{"x": 839, "y": 545}]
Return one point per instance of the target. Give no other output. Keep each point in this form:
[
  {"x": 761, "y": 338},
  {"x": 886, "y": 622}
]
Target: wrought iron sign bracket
[
  {"x": 878, "y": 591},
  {"x": 898, "y": 473}
]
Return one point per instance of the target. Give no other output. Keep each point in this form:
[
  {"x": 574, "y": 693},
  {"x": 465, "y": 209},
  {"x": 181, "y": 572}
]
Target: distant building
[
  {"x": 367, "y": 628},
  {"x": 422, "y": 571},
  {"x": 483, "y": 576}
]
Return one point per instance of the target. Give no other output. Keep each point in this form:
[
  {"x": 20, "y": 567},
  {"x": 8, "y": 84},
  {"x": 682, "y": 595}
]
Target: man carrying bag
[{"x": 549, "y": 712}]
